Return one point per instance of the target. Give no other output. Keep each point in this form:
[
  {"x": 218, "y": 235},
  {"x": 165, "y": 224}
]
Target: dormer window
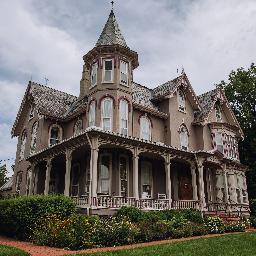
[
  {"x": 55, "y": 135},
  {"x": 184, "y": 137},
  {"x": 107, "y": 70},
  {"x": 181, "y": 101},
  {"x": 218, "y": 113},
  {"x": 94, "y": 74},
  {"x": 124, "y": 72}
]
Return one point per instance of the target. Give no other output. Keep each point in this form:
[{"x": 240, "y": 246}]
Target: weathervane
[
  {"x": 46, "y": 80},
  {"x": 112, "y": 3}
]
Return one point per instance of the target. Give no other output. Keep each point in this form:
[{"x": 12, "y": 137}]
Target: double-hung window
[
  {"x": 106, "y": 114},
  {"x": 94, "y": 74},
  {"x": 219, "y": 142},
  {"x": 184, "y": 138},
  {"x": 124, "y": 72},
  {"x": 104, "y": 174},
  {"x": 108, "y": 70},
  {"x": 92, "y": 114},
  {"x": 123, "y": 117},
  {"x": 145, "y": 128}
]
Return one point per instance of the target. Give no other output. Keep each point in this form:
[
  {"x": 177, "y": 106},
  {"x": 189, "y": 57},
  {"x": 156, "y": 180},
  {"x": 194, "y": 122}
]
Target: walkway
[{"x": 36, "y": 250}]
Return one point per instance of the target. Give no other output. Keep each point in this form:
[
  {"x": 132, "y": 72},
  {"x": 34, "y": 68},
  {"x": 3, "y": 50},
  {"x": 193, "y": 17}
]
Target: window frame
[
  {"x": 111, "y": 113},
  {"x": 142, "y": 178},
  {"x": 218, "y": 111},
  {"x": 104, "y": 70},
  {"x": 23, "y": 145},
  {"x": 127, "y": 73},
  {"x": 99, "y": 186},
  {"x": 149, "y": 128},
  {"x": 121, "y": 117},
  {"x": 95, "y": 64},
  {"x": 184, "y": 130},
  {"x": 59, "y": 135},
  {"x": 33, "y": 138},
  {"x": 77, "y": 131},
  {"x": 127, "y": 174},
  {"x": 181, "y": 107},
  {"x": 216, "y": 142}
]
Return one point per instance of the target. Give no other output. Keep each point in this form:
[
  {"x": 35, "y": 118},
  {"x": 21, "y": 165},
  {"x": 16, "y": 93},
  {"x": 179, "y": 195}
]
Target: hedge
[{"x": 18, "y": 216}]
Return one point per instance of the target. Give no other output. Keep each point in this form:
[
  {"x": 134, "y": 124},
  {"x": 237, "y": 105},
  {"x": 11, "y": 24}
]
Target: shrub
[
  {"x": 113, "y": 232},
  {"x": 253, "y": 221},
  {"x": 19, "y": 215},
  {"x": 238, "y": 226},
  {"x": 253, "y": 207},
  {"x": 215, "y": 225},
  {"x": 74, "y": 232},
  {"x": 193, "y": 216},
  {"x": 131, "y": 213},
  {"x": 185, "y": 231},
  {"x": 199, "y": 229}
]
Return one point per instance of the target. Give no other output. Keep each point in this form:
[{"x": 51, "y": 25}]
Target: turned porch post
[
  {"x": 47, "y": 176},
  {"x": 201, "y": 183},
  {"x": 194, "y": 182},
  {"x": 68, "y": 172},
  {"x": 32, "y": 179},
  {"x": 136, "y": 174},
  {"x": 94, "y": 166},
  {"x": 168, "y": 178}
]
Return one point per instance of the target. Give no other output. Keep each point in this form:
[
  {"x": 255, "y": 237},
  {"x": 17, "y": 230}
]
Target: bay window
[
  {"x": 106, "y": 114},
  {"x": 92, "y": 108},
  {"x": 123, "y": 112},
  {"x": 145, "y": 128},
  {"x": 107, "y": 70},
  {"x": 124, "y": 72},
  {"x": 94, "y": 74},
  {"x": 184, "y": 137}
]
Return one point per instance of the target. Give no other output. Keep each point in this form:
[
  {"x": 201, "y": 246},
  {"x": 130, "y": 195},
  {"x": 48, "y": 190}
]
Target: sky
[{"x": 46, "y": 39}]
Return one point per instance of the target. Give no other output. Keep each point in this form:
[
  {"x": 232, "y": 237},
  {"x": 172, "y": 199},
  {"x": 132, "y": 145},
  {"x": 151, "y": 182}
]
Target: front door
[{"x": 185, "y": 188}]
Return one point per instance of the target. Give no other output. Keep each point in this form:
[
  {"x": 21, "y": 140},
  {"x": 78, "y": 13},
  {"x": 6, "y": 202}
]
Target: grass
[
  {"x": 11, "y": 251},
  {"x": 235, "y": 245}
]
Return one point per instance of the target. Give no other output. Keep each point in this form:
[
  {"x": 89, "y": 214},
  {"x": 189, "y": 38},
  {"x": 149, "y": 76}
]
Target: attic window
[
  {"x": 31, "y": 113},
  {"x": 181, "y": 101},
  {"x": 218, "y": 113}
]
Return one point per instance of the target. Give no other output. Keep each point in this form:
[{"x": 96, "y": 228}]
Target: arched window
[
  {"x": 92, "y": 114},
  {"x": 23, "y": 145},
  {"x": 78, "y": 126},
  {"x": 184, "y": 137},
  {"x": 123, "y": 112},
  {"x": 107, "y": 114},
  {"x": 145, "y": 128},
  {"x": 94, "y": 74},
  {"x": 55, "y": 135},
  {"x": 218, "y": 113},
  {"x": 33, "y": 138},
  {"x": 181, "y": 101}
]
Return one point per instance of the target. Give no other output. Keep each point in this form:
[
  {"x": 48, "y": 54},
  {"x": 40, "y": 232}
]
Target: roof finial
[{"x": 112, "y": 3}]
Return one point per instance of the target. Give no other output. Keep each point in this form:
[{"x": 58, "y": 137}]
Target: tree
[
  {"x": 240, "y": 90},
  {"x": 3, "y": 175}
]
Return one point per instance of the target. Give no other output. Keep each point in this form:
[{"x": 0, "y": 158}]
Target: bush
[
  {"x": 215, "y": 225},
  {"x": 199, "y": 229},
  {"x": 235, "y": 227},
  {"x": 74, "y": 232},
  {"x": 253, "y": 221},
  {"x": 185, "y": 231},
  {"x": 193, "y": 216},
  {"x": 113, "y": 232},
  {"x": 19, "y": 215}
]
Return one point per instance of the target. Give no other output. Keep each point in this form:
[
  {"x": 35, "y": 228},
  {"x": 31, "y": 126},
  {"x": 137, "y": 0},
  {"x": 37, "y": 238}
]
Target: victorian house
[{"x": 120, "y": 143}]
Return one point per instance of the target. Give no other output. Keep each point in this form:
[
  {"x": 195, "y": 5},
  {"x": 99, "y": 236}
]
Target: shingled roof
[{"x": 111, "y": 34}]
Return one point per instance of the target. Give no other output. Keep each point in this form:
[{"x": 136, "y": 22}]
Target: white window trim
[
  {"x": 103, "y": 70},
  {"x": 150, "y": 130},
  {"x": 60, "y": 135},
  {"x": 127, "y": 169},
  {"x": 93, "y": 103},
  {"x": 127, "y": 73},
  {"x": 111, "y": 113},
  {"x": 120, "y": 116},
  {"x": 110, "y": 173},
  {"x": 96, "y": 74},
  {"x": 151, "y": 180}
]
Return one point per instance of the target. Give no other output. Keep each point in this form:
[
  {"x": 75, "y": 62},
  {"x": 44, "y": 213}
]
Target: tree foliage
[
  {"x": 3, "y": 175},
  {"x": 240, "y": 90}
]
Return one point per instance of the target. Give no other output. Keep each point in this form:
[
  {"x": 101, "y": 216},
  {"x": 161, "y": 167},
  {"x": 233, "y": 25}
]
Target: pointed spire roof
[{"x": 111, "y": 33}]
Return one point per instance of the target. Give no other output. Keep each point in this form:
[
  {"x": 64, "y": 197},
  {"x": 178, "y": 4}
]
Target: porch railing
[{"x": 185, "y": 204}]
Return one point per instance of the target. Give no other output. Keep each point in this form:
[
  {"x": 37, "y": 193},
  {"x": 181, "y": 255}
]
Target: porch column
[
  {"x": 32, "y": 179},
  {"x": 68, "y": 172},
  {"x": 94, "y": 167},
  {"x": 194, "y": 182},
  {"x": 136, "y": 174},
  {"x": 226, "y": 196},
  {"x": 168, "y": 179},
  {"x": 47, "y": 176},
  {"x": 201, "y": 183}
]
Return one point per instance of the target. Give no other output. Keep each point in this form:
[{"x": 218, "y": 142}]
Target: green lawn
[
  {"x": 235, "y": 245},
  {"x": 11, "y": 251}
]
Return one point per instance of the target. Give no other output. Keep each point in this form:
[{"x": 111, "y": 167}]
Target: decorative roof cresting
[{"x": 111, "y": 34}]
